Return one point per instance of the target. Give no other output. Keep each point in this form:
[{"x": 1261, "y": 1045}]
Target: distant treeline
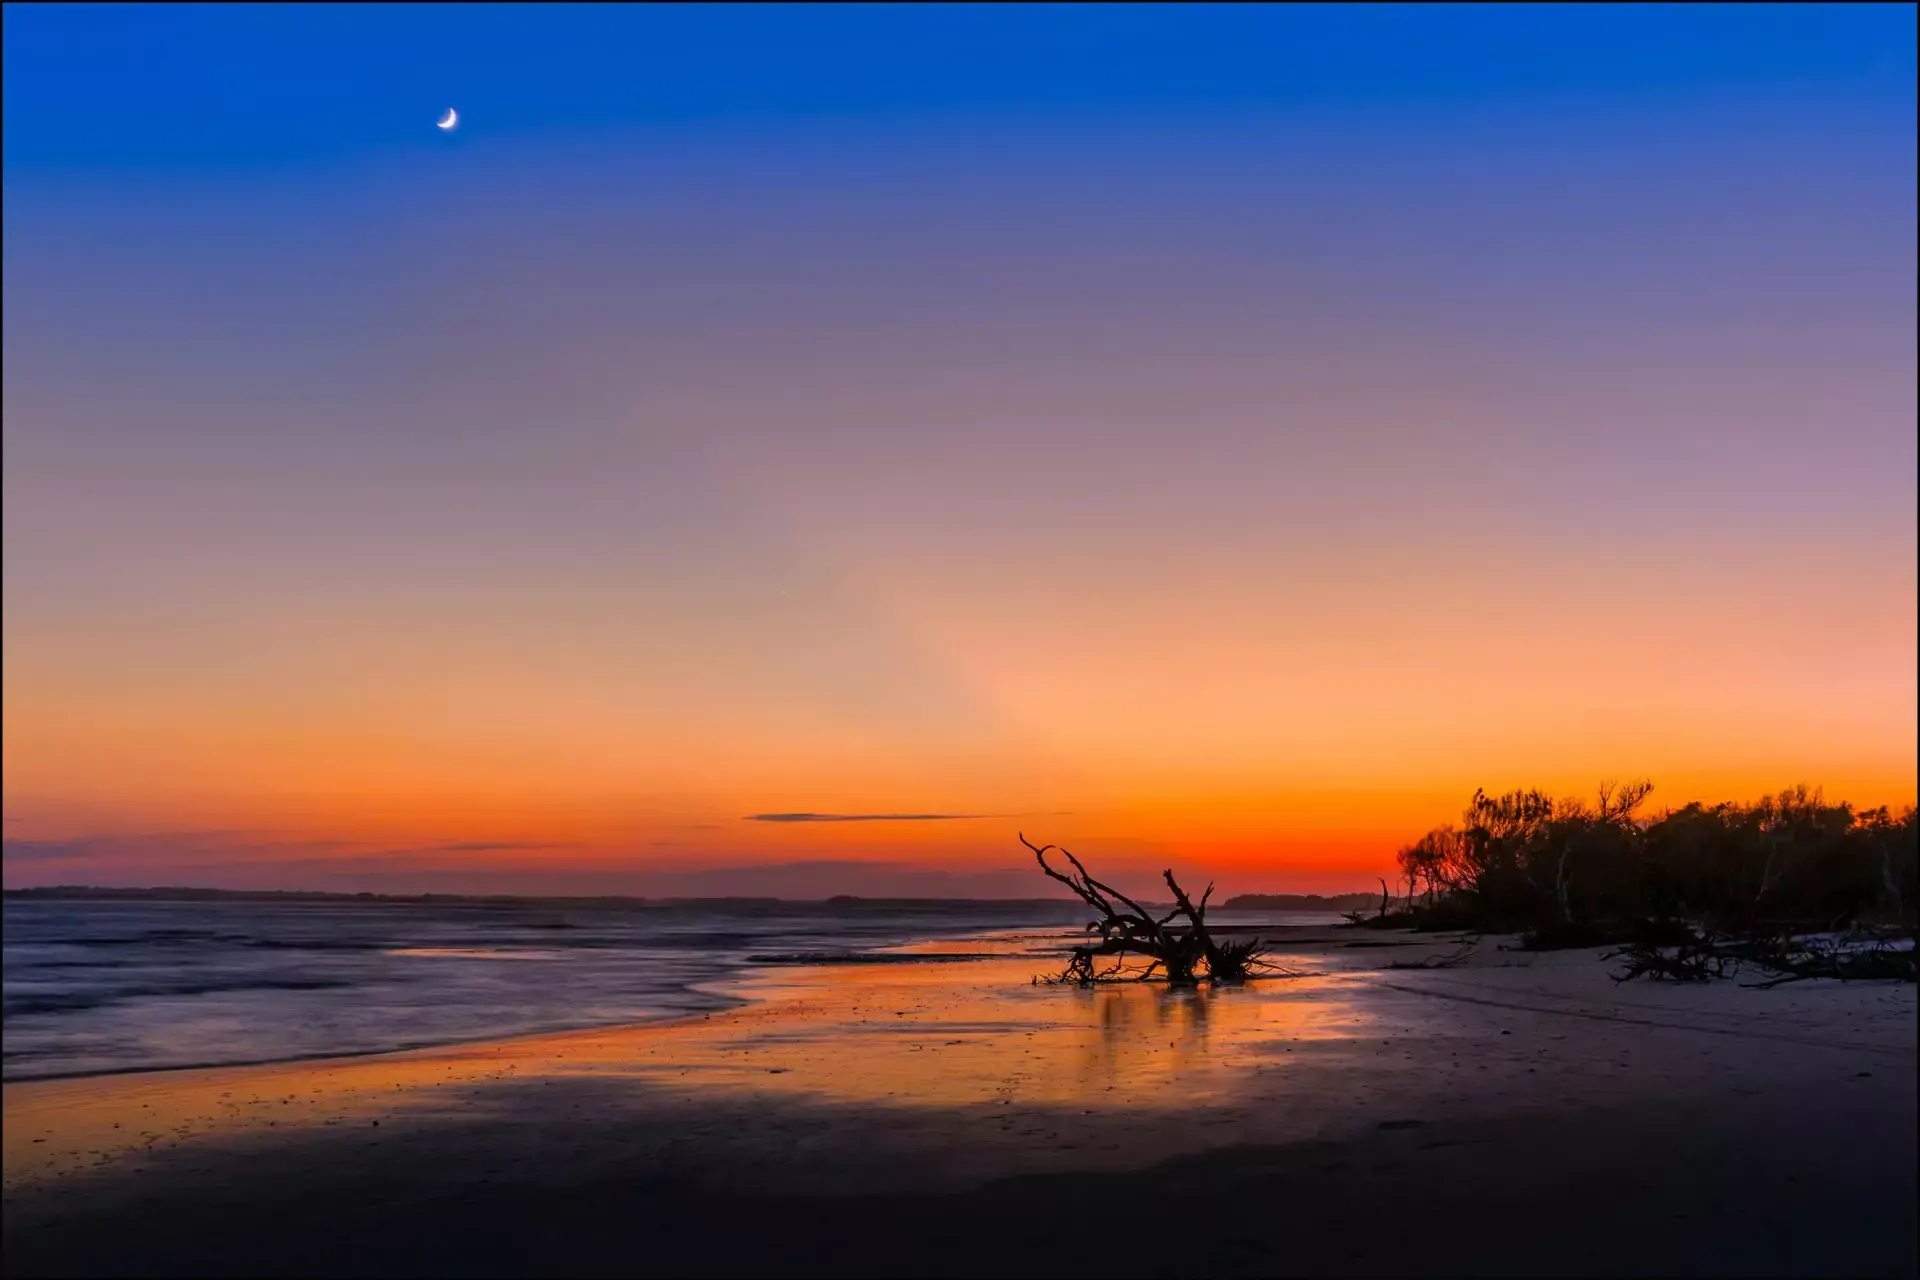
[
  {"x": 184, "y": 893},
  {"x": 1300, "y": 902},
  {"x": 71, "y": 892},
  {"x": 1525, "y": 861},
  {"x": 614, "y": 902}
]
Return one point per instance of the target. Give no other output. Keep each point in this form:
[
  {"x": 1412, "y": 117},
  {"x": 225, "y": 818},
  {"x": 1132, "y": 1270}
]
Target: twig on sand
[{"x": 1450, "y": 960}]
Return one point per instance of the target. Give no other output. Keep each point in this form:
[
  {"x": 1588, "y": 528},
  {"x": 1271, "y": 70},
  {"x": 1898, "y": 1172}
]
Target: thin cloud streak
[
  {"x": 490, "y": 846},
  {"x": 44, "y": 850},
  {"x": 872, "y": 817},
  {"x": 242, "y": 849}
]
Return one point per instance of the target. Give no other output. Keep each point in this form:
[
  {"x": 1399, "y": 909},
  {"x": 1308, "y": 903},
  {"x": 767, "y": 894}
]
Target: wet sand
[{"x": 1521, "y": 1115}]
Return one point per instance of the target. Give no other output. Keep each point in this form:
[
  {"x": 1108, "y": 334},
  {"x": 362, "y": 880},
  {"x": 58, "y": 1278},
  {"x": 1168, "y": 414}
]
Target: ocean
[{"x": 96, "y": 986}]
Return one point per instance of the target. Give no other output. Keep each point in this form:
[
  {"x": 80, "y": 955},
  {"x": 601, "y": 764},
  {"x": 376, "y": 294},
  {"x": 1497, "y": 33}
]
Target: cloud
[
  {"x": 488, "y": 846},
  {"x": 231, "y": 857},
  {"x": 45, "y": 850},
  {"x": 130, "y": 847},
  {"x": 823, "y": 879},
  {"x": 870, "y": 817}
]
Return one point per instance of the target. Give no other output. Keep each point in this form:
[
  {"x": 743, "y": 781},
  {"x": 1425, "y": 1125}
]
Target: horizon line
[{"x": 160, "y": 891}]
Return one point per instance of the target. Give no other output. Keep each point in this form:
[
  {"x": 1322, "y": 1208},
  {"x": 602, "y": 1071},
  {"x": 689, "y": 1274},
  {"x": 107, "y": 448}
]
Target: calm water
[
  {"x": 120, "y": 986},
  {"x": 117, "y": 986}
]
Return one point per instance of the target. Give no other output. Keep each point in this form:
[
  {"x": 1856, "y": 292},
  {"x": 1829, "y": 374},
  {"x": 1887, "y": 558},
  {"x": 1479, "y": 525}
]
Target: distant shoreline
[
  {"x": 624, "y": 902},
  {"x": 179, "y": 893}
]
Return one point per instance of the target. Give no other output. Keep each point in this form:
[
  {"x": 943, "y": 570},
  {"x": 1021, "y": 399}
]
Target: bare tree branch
[{"x": 1181, "y": 952}]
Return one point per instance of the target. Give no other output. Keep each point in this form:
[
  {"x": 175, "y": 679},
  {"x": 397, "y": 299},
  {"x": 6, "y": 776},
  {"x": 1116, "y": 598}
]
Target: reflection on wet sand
[
  {"x": 858, "y": 1111},
  {"x": 888, "y": 1078},
  {"x": 894, "y": 1036},
  {"x": 912, "y": 1035}
]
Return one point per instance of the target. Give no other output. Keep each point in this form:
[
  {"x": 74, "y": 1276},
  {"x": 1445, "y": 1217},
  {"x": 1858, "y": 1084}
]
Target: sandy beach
[{"x": 1520, "y": 1114}]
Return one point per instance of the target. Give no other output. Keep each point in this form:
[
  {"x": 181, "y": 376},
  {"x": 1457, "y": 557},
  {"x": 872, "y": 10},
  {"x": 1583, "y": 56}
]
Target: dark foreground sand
[{"x": 1522, "y": 1116}]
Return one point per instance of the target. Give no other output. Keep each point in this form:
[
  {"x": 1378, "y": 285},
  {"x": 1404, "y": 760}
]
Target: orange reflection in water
[
  {"x": 906, "y": 1035},
  {"x": 926, "y": 1034}
]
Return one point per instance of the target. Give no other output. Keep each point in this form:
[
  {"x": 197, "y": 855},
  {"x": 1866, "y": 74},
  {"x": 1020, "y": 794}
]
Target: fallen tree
[
  {"x": 1178, "y": 945},
  {"x": 1778, "y": 958}
]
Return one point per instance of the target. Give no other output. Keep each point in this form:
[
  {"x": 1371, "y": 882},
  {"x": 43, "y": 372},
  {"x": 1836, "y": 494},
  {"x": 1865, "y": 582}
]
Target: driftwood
[
  {"x": 1452, "y": 959},
  {"x": 1177, "y": 944},
  {"x": 1386, "y": 900},
  {"x": 1779, "y": 958},
  {"x": 1699, "y": 960}
]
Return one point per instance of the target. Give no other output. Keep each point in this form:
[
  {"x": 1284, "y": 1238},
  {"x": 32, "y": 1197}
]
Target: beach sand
[{"x": 1521, "y": 1114}]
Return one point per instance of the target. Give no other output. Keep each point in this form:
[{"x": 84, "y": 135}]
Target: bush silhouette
[{"x": 1575, "y": 872}]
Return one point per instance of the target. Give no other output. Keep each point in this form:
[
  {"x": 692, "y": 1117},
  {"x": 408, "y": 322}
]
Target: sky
[{"x": 796, "y": 449}]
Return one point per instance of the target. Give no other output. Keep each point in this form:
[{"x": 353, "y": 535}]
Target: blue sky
[
  {"x": 189, "y": 86},
  {"x": 1236, "y": 432}
]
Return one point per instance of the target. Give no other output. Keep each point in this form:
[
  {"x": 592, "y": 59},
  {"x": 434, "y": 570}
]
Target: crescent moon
[{"x": 449, "y": 120}]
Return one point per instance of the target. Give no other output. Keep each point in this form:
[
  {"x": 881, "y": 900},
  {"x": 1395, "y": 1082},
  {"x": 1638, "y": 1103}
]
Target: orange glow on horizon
[{"x": 538, "y": 541}]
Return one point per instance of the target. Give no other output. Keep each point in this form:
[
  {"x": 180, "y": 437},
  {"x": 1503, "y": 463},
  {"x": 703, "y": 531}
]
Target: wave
[
  {"x": 95, "y": 988},
  {"x": 70, "y": 1001}
]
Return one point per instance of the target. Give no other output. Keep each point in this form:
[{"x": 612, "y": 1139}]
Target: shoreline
[
  {"x": 730, "y": 987},
  {"x": 725, "y": 1002},
  {"x": 942, "y": 1093},
  {"x": 318, "y": 1059},
  {"x": 122, "y": 999}
]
